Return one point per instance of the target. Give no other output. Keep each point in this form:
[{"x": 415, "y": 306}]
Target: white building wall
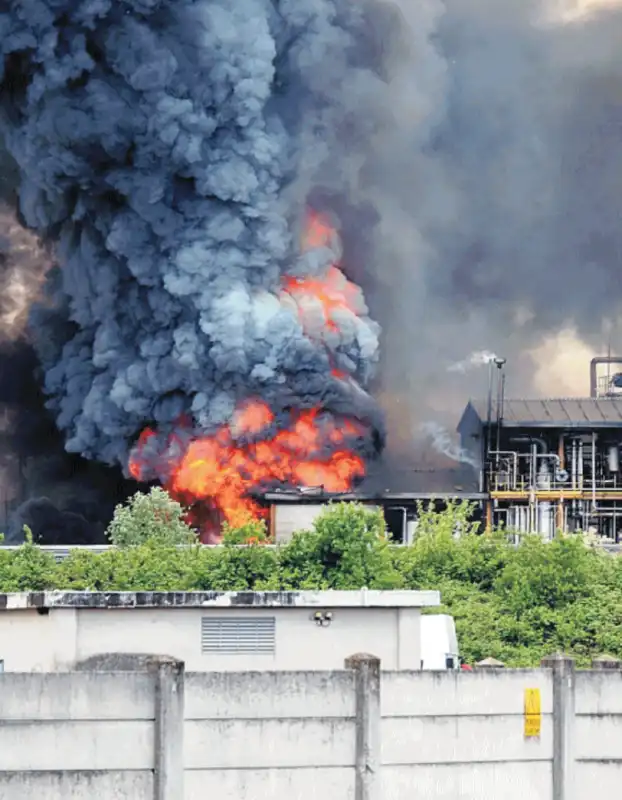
[
  {"x": 56, "y": 640},
  {"x": 291, "y": 517},
  {"x": 33, "y": 642}
]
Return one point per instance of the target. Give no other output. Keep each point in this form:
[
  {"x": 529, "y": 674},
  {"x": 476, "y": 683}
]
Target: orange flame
[
  {"x": 222, "y": 471},
  {"x": 253, "y": 451},
  {"x": 331, "y": 292}
]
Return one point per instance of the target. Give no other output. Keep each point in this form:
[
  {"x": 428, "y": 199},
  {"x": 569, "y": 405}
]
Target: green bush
[
  {"x": 515, "y": 603},
  {"x": 153, "y": 516},
  {"x": 346, "y": 549}
]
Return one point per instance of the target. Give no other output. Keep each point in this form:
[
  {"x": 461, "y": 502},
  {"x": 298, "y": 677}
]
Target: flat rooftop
[{"x": 364, "y": 598}]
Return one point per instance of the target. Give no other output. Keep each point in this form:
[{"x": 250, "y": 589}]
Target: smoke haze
[{"x": 165, "y": 153}]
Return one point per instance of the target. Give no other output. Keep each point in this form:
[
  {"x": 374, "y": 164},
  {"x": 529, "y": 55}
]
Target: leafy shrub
[
  {"x": 153, "y": 516},
  {"x": 347, "y": 548},
  {"x": 515, "y": 603}
]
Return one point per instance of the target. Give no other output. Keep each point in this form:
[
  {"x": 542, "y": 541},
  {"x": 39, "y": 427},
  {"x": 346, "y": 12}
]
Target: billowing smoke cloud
[
  {"x": 159, "y": 144},
  {"x": 469, "y": 148},
  {"x": 33, "y": 460},
  {"x": 503, "y": 227}
]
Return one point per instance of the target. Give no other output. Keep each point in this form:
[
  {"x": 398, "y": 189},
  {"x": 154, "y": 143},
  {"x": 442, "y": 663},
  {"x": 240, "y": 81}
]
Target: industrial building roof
[{"x": 570, "y": 412}]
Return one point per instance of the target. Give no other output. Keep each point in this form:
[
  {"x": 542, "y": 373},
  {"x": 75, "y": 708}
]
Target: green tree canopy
[
  {"x": 150, "y": 517},
  {"x": 513, "y": 602}
]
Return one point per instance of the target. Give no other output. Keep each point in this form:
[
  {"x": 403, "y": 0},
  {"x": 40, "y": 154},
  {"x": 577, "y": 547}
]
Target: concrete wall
[
  {"x": 596, "y": 738},
  {"x": 354, "y": 734},
  {"x": 56, "y": 640},
  {"x": 78, "y": 736},
  {"x": 455, "y": 735},
  {"x": 272, "y": 735}
]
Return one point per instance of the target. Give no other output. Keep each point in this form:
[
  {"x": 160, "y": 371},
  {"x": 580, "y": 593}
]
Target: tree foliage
[
  {"x": 153, "y": 516},
  {"x": 516, "y": 603}
]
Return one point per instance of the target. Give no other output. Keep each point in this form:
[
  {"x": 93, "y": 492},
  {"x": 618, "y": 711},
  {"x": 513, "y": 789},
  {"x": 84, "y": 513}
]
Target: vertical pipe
[
  {"x": 580, "y": 466},
  {"x": 534, "y": 527},
  {"x": 561, "y": 452},
  {"x": 489, "y": 410},
  {"x": 593, "y": 471},
  {"x": 488, "y": 516},
  {"x": 534, "y": 465},
  {"x": 560, "y": 503},
  {"x": 500, "y": 403},
  {"x": 574, "y": 464}
]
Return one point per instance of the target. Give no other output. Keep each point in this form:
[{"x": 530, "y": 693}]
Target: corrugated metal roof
[{"x": 601, "y": 412}]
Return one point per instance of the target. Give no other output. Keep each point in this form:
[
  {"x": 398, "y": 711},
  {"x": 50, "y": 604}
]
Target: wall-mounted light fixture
[{"x": 323, "y": 618}]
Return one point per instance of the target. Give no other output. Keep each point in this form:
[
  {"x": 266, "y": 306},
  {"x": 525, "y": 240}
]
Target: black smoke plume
[{"x": 162, "y": 148}]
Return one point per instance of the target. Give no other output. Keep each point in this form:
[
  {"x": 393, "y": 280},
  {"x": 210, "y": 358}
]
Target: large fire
[{"x": 255, "y": 451}]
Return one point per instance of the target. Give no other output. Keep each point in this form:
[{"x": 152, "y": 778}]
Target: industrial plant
[
  {"x": 552, "y": 464},
  {"x": 542, "y": 466},
  {"x": 539, "y": 466}
]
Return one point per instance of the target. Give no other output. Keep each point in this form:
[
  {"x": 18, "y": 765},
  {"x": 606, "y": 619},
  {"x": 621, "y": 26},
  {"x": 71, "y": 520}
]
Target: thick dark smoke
[
  {"x": 33, "y": 460},
  {"x": 159, "y": 147},
  {"x": 167, "y": 149},
  {"x": 505, "y": 228}
]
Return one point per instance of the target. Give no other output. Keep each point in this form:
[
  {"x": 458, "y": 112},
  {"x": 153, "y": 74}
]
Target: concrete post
[
  {"x": 366, "y": 670},
  {"x": 563, "y": 668},
  {"x": 169, "y": 731}
]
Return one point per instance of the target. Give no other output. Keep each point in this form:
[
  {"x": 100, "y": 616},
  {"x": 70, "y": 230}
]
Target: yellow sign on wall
[{"x": 533, "y": 713}]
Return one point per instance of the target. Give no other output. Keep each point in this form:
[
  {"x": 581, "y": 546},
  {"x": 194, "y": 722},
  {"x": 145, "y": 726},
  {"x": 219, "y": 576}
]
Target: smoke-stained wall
[{"x": 166, "y": 151}]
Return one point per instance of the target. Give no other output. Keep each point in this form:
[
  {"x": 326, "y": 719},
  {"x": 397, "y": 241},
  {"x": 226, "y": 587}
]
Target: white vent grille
[{"x": 238, "y": 635}]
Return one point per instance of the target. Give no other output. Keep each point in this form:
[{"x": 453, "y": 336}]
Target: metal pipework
[
  {"x": 594, "y": 471},
  {"x": 514, "y": 456},
  {"x": 593, "y": 364},
  {"x": 531, "y": 440},
  {"x": 548, "y": 457}
]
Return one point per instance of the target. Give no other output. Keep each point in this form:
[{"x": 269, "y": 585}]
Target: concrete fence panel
[
  {"x": 450, "y": 735},
  {"x": 598, "y": 733},
  {"x": 262, "y": 734},
  {"x": 152, "y": 732},
  {"x": 78, "y": 736}
]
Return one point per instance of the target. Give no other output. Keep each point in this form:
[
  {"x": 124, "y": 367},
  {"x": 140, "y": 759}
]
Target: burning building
[
  {"x": 228, "y": 197},
  {"x": 197, "y": 327}
]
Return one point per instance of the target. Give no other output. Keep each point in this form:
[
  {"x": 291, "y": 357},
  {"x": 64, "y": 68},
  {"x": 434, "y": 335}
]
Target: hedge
[{"x": 515, "y": 603}]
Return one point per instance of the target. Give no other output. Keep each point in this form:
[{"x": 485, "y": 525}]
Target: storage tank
[{"x": 613, "y": 458}]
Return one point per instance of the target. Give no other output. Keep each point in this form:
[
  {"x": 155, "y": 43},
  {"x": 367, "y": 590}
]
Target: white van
[{"x": 439, "y": 643}]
